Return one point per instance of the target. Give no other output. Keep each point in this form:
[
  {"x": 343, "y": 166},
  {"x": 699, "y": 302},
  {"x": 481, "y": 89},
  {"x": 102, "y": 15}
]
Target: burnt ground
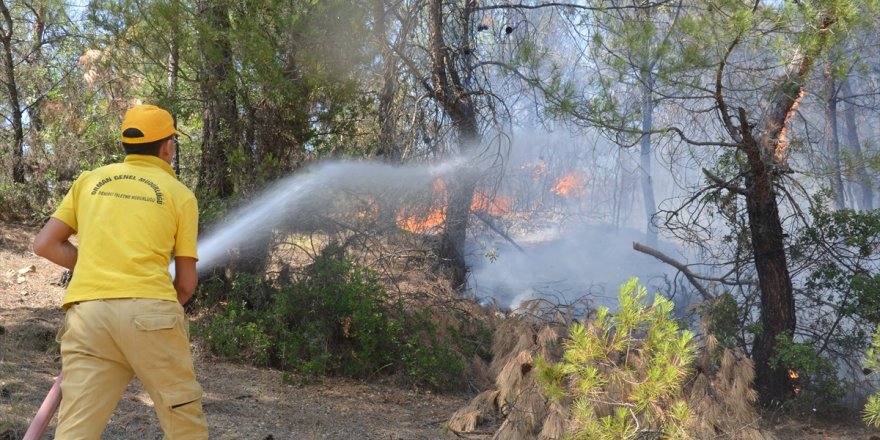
[{"x": 241, "y": 401}]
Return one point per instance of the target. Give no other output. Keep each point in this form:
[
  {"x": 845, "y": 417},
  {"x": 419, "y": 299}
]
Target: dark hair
[{"x": 148, "y": 148}]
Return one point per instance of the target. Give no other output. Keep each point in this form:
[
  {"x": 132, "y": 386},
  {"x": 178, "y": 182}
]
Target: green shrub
[
  {"x": 839, "y": 294},
  {"x": 330, "y": 322},
  {"x": 624, "y": 372},
  {"x": 722, "y": 315},
  {"x": 334, "y": 320},
  {"x": 429, "y": 358},
  {"x": 235, "y": 333},
  {"x": 817, "y": 375}
]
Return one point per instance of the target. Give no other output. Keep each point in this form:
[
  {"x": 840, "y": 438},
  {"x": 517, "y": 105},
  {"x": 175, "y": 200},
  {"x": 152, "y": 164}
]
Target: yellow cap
[{"x": 147, "y": 123}]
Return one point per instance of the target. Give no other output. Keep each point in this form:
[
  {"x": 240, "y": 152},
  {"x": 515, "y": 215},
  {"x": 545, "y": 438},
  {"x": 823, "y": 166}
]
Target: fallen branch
[
  {"x": 681, "y": 268},
  {"x": 491, "y": 225}
]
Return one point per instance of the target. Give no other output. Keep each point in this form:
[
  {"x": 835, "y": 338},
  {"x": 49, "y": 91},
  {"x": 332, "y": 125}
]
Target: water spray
[{"x": 312, "y": 191}]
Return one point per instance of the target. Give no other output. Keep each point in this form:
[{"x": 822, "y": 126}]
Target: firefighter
[{"x": 124, "y": 312}]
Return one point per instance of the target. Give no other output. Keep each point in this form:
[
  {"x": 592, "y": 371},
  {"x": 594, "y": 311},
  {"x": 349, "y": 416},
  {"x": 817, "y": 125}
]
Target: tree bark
[
  {"x": 15, "y": 167},
  {"x": 172, "y": 78},
  {"x": 777, "y": 295},
  {"x": 765, "y": 150},
  {"x": 218, "y": 93},
  {"x": 452, "y": 95},
  {"x": 35, "y": 59},
  {"x": 389, "y": 147}
]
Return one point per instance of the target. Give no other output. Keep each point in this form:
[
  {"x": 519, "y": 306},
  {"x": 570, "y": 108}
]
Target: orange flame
[
  {"x": 572, "y": 185},
  {"x": 422, "y": 224},
  {"x": 496, "y": 206},
  {"x": 537, "y": 170},
  {"x": 370, "y": 211},
  {"x": 782, "y": 142},
  {"x": 794, "y": 376},
  {"x": 426, "y": 222},
  {"x": 430, "y": 220}
]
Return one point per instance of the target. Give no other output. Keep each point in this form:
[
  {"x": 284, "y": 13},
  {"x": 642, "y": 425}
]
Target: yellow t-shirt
[{"x": 129, "y": 218}]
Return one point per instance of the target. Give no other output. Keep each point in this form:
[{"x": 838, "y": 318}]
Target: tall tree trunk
[
  {"x": 389, "y": 147},
  {"x": 218, "y": 94},
  {"x": 855, "y": 146},
  {"x": 36, "y": 59},
  {"x": 833, "y": 139},
  {"x": 460, "y": 195},
  {"x": 777, "y": 296},
  {"x": 452, "y": 95},
  {"x": 765, "y": 147},
  {"x": 173, "y": 74},
  {"x": 645, "y": 156},
  {"x": 16, "y": 150},
  {"x": 765, "y": 150},
  {"x": 222, "y": 131}
]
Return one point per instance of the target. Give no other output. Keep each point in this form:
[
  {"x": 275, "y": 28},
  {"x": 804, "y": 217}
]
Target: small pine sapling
[{"x": 623, "y": 372}]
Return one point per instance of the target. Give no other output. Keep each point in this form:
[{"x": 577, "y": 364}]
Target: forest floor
[{"x": 241, "y": 401}]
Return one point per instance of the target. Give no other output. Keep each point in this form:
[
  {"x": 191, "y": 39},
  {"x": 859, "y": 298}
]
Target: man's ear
[{"x": 166, "y": 150}]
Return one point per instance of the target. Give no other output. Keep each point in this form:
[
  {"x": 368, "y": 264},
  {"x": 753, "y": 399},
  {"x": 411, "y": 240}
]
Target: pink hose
[{"x": 45, "y": 413}]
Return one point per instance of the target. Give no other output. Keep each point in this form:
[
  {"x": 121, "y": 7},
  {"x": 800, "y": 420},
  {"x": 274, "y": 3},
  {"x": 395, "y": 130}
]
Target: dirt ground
[{"x": 241, "y": 402}]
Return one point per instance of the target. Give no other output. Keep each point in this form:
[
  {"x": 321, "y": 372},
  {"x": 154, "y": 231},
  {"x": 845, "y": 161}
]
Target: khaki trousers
[{"x": 104, "y": 343}]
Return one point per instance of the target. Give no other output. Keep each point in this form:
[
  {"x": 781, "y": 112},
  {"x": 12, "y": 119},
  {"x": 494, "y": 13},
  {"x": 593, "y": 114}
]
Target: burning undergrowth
[
  {"x": 708, "y": 396},
  {"x": 351, "y": 304}
]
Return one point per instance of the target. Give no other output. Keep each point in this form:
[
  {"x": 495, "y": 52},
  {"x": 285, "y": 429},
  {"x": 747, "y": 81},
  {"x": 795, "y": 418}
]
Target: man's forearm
[
  {"x": 62, "y": 253},
  {"x": 52, "y": 243},
  {"x": 183, "y": 295},
  {"x": 185, "y": 278}
]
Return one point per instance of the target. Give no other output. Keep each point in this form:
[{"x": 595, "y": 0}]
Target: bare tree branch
[
  {"x": 681, "y": 268},
  {"x": 728, "y": 185},
  {"x": 584, "y": 7}
]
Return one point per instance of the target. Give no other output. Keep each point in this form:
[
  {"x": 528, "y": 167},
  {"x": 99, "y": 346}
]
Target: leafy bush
[
  {"x": 334, "y": 320},
  {"x": 234, "y": 333},
  {"x": 839, "y": 254},
  {"x": 816, "y": 375},
  {"x": 426, "y": 356},
  {"x": 625, "y": 371},
  {"x": 330, "y": 322}
]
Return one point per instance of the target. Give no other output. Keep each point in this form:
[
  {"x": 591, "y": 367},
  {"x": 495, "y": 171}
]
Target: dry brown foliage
[
  {"x": 517, "y": 400},
  {"x": 721, "y": 396},
  {"x": 719, "y": 391},
  {"x": 467, "y": 419}
]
